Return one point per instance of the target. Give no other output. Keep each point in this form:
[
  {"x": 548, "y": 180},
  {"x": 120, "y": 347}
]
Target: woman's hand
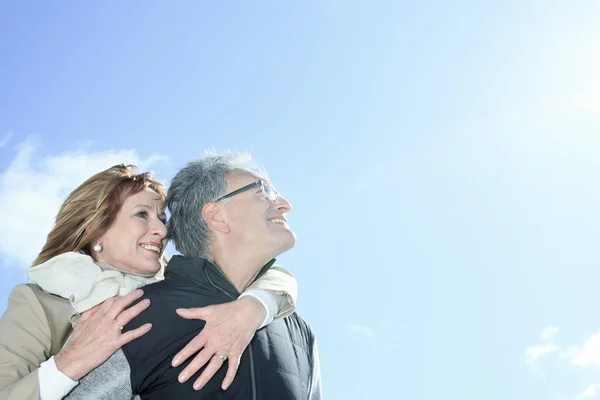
[
  {"x": 228, "y": 331},
  {"x": 98, "y": 335}
]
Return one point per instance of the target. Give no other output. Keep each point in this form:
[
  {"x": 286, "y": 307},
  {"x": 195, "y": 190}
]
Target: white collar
[{"x": 78, "y": 278}]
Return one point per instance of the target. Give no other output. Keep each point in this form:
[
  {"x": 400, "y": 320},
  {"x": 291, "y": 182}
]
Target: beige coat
[
  {"x": 36, "y": 325},
  {"x": 30, "y": 333}
]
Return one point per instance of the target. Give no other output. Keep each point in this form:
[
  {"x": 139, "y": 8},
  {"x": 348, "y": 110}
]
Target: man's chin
[{"x": 289, "y": 243}]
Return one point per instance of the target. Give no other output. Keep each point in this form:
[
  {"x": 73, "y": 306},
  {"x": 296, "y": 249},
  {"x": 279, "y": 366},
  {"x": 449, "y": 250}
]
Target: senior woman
[{"x": 107, "y": 242}]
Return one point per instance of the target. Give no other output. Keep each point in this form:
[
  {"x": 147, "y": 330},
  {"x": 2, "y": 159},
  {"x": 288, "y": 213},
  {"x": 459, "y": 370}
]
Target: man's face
[{"x": 257, "y": 220}]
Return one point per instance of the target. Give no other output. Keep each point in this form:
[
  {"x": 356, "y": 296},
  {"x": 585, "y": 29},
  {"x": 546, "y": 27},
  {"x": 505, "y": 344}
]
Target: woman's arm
[
  {"x": 281, "y": 285},
  {"x": 230, "y": 326},
  {"x": 25, "y": 342}
]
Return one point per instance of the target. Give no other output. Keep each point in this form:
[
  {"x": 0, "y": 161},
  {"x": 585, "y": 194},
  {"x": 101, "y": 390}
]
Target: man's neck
[{"x": 241, "y": 267}]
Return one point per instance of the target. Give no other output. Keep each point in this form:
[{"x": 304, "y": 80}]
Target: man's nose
[{"x": 283, "y": 205}]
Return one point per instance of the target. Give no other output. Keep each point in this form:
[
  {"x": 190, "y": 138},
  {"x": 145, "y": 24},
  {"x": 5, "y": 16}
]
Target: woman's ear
[{"x": 97, "y": 245}]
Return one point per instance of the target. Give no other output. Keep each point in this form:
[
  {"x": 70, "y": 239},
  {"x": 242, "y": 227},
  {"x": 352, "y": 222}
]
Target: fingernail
[
  {"x": 175, "y": 361},
  {"x": 197, "y": 386},
  {"x": 182, "y": 378},
  {"x": 146, "y": 302},
  {"x": 148, "y": 326}
]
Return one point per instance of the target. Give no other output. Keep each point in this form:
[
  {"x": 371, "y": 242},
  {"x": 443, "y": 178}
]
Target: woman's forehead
[{"x": 148, "y": 196}]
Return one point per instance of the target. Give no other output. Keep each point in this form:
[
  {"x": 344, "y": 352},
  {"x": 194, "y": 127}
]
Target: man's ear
[{"x": 215, "y": 217}]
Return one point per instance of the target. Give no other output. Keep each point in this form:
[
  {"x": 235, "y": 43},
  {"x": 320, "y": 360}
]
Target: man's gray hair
[{"x": 195, "y": 185}]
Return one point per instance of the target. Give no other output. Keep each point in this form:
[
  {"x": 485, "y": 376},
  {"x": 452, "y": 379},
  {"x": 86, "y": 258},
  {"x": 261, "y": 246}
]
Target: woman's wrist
[
  {"x": 255, "y": 310},
  {"x": 268, "y": 300},
  {"x": 54, "y": 385},
  {"x": 68, "y": 364}
]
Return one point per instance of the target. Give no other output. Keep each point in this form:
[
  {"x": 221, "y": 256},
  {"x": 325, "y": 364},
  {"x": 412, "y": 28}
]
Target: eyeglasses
[{"x": 268, "y": 191}]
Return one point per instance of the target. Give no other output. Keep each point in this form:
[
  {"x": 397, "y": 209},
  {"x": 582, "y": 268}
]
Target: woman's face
[{"x": 137, "y": 237}]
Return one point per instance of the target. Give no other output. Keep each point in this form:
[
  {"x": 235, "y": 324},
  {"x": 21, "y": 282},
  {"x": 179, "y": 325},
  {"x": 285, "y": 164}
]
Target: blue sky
[{"x": 442, "y": 162}]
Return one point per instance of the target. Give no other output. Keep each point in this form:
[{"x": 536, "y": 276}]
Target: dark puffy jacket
[{"x": 280, "y": 362}]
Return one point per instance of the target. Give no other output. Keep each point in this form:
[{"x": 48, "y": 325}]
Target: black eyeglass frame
[{"x": 258, "y": 183}]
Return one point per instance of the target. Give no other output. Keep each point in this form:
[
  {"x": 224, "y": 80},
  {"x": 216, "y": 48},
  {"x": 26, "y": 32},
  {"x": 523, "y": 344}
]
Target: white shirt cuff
[
  {"x": 54, "y": 385},
  {"x": 267, "y": 299}
]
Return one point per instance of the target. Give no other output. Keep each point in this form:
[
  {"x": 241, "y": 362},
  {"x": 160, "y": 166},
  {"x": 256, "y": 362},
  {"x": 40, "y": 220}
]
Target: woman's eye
[{"x": 142, "y": 214}]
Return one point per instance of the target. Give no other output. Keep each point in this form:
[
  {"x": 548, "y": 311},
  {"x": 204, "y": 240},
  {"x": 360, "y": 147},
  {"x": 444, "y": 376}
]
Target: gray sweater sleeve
[
  {"x": 315, "y": 382},
  {"x": 110, "y": 381}
]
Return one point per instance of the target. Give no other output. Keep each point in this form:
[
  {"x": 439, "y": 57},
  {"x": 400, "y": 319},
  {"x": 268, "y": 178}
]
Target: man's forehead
[{"x": 238, "y": 176}]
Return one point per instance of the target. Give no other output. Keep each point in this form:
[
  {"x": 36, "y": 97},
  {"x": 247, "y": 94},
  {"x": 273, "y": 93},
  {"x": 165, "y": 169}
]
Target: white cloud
[
  {"x": 32, "y": 189},
  {"x": 534, "y": 353},
  {"x": 548, "y": 333},
  {"x": 584, "y": 98},
  {"x": 587, "y": 355},
  {"x": 4, "y": 141},
  {"x": 361, "y": 330},
  {"x": 591, "y": 391}
]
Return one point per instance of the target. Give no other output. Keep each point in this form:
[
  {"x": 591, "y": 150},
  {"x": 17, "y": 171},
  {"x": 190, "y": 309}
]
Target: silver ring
[
  {"x": 222, "y": 357},
  {"x": 119, "y": 325}
]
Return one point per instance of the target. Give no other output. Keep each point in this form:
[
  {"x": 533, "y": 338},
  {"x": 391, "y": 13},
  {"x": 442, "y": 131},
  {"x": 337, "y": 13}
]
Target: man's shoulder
[
  {"x": 168, "y": 328},
  {"x": 180, "y": 294},
  {"x": 299, "y": 322},
  {"x": 165, "y": 297},
  {"x": 292, "y": 328},
  {"x": 155, "y": 289}
]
